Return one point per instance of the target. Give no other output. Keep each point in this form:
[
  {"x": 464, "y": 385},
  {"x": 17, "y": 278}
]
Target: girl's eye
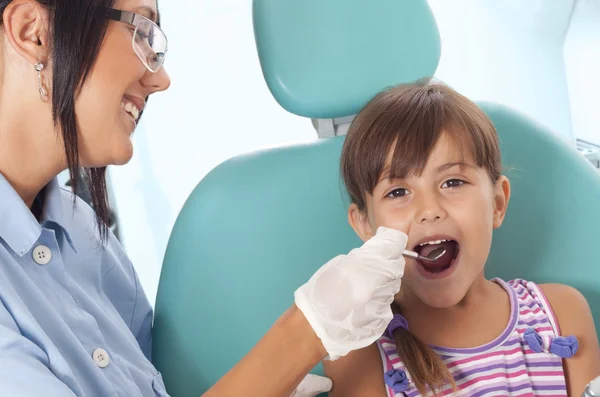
[
  {"x": 397, "y": 193},
  {"x": 452, "y": 183}
]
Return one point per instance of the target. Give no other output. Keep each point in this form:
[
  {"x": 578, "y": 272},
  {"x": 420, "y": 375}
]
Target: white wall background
[
  {"x": 508, "y": 51},
  {"x": 218, "y": 105},
  {"x": 582, "y": 62}
]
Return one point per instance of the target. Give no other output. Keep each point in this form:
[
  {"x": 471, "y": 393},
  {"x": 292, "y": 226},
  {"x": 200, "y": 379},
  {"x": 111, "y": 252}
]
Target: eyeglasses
[{"x": 149, "y": 41}]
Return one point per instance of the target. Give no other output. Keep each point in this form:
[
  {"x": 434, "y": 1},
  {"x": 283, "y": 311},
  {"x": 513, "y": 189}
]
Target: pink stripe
[
  {"x": 529, "y": 311},
  {"x": 396, "y": 361},
  {"x": 533, "y": 374},
  {"x": 540, "y": 329}
]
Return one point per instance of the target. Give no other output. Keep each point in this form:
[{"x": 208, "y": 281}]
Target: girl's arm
[{"x": 575, "y": 318}]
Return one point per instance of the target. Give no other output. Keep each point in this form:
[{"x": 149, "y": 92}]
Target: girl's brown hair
[
  {"x": 412, "y": 118},
  {"x": 409, "y": 120}
]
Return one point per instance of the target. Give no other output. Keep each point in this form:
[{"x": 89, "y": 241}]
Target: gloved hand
[
  {"x": 312, "y": 385},
  {"x": 347, "y": 301}
]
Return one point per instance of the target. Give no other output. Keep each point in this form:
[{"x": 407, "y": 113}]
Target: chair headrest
[{"x": 317, "y": 65}]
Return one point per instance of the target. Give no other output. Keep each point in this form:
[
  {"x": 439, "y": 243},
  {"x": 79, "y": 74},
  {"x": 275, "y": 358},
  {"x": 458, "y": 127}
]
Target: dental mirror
[{"x": 431, "y": 257}]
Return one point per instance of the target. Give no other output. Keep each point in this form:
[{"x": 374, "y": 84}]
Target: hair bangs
[{"x": 396, "y": 132}]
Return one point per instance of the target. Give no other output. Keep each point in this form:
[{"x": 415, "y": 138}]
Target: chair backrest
[
  {"x": 554, "y": 212},
  {"x": 252, "y": 232},
  {"x": 259, "y": 225},
  {"x": 323, "y": 59}
]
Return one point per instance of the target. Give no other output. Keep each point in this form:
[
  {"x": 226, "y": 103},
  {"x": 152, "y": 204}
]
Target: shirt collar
[
  {"x": 57, "y": 209},
  {"x": 18, "y": 226}
]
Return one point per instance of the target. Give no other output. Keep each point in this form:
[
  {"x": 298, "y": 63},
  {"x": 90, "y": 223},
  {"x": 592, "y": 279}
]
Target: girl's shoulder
[
  {"x": 553, "y": 299},
  {"x": 574, "y": 320},
  {"x": 563, "y": 306},
  {"x": 533, "y": 303},
  {"x": 529, "y": 294},
  {"x": 546, "y": 289},
  {"x": 566, "y": 303}
]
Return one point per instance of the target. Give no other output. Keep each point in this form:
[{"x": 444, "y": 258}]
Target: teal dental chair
[{"x": 259, "y": 225}]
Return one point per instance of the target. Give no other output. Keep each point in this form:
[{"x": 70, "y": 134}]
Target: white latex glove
[
  {"x": 347, "y": 301},
  {"x": 312, "y": 385}
]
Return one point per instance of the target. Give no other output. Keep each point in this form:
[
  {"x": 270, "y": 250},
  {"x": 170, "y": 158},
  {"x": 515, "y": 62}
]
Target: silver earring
[{"x": 38, "y": 68}]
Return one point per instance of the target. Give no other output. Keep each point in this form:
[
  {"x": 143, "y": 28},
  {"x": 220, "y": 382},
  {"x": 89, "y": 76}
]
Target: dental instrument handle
[
  {"x": 592, "y": 389},
  {"x": 411, "y": 254}
]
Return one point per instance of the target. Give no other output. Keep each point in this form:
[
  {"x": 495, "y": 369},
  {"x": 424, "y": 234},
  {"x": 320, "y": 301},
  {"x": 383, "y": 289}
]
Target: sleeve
[
  {"x": 141, "y": 321},
  {"x": 23, "y": 364},
  {"x": 542, "y": 301},
  {"x": 128, "y": 297}
]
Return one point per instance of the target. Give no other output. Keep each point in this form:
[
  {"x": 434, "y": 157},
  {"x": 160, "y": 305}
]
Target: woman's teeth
[{"x": 131, "y": 109}]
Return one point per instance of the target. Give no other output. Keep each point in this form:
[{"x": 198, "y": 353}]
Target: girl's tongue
[{"x": 443, "y": 262}]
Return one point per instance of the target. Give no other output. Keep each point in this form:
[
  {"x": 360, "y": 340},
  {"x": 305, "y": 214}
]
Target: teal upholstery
[
  {"x": 259, "y": 225},
  {"x": 553, "y": 218},
  {"x": 252, "y": 232},
  {"x": 321, "y": 59}
]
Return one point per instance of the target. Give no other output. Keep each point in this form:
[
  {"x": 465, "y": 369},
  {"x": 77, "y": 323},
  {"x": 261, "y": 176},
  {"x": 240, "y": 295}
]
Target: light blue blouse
[{"x": 74, "y": 320}]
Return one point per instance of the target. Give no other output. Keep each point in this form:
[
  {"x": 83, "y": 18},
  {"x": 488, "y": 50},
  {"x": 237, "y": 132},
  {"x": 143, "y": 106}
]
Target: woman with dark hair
[{"x": 74, "y": 78}]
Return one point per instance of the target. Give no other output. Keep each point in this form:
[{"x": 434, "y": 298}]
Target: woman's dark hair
[{"x": 77, "y": 29}]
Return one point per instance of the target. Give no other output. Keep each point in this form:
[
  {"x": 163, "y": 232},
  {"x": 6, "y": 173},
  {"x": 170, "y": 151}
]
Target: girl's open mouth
[{"x": 445, "y": 262}]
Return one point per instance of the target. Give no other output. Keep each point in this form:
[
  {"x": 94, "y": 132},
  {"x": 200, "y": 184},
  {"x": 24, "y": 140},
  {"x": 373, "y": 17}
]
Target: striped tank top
[{"x": 525, "y": 360}]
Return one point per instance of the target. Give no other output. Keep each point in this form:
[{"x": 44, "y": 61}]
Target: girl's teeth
[
  {"x": 433, "y": 242},
  {"x": 135, "y": 112}
]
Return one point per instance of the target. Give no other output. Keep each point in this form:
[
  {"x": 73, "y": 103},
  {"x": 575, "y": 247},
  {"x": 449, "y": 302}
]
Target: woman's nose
[{"x": 159, "y": 81}]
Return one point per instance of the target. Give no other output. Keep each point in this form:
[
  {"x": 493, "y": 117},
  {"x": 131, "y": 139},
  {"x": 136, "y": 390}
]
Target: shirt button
[
  {"x": 42, "y": 255},
  {"x": 101, "y": 358}
]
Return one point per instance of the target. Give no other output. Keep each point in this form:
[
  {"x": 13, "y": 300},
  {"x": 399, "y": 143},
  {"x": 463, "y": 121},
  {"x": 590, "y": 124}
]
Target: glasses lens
[{"x": 150, "y": 45}]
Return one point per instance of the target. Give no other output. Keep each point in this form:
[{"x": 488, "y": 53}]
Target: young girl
[{"x": 425, "y": 160}]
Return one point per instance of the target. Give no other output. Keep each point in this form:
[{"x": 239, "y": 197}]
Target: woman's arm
[
  {"x": 575, "y": 318},
  {"x": 359, "y": 374},
  {"x": 312, "y": 329},
  {"x": 277, "y": 364}
]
